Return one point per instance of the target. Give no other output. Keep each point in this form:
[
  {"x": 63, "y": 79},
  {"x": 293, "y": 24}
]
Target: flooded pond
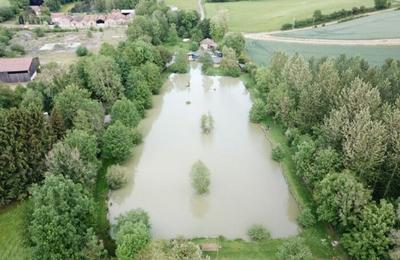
[{"x": 247, "y": 186}]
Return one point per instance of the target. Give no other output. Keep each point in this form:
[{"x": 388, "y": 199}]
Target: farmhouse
[
  {"x": 115, "y": 18},
  {"x": 13, "y": 70},
  {"x": 208, "y": 44}
]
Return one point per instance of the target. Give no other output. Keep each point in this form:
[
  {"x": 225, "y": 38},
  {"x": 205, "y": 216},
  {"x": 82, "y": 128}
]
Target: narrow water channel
[{"x": 247, "y": 186}]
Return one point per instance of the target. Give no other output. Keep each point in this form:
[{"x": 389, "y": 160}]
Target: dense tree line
[
  {"x": 342, "y": 120},
  {"x": 53, "y": 134}
]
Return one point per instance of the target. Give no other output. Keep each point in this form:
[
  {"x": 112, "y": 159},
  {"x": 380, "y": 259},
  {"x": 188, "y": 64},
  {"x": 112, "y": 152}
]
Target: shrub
[
  {"x": 137, "y": 137},
  {"x": 81, "y": 51},
  {"x": 38, "y": 32},
  {"x": 200, "y": 175},
  {"x": 294, "y": 249},
  {"x": 258, "y": 111},
  {"x": 207, "y": 123},
  {"x": 183, "y": 249},
  {"x": 116, "y": 176},
  {"x": 131, "y": 239},
  {"x": 18, "y": 49},
  {"x": 135, "y": 216},
  {"x": 306, "y": 218},
  {"x": 194, "y": 46},
  {"x": 277, "y": 154},
  {"x": 258, "y": 233}
]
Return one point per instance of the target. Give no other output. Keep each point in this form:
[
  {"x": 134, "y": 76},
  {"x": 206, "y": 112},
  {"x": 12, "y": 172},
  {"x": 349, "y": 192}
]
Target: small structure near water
[{"x": 13, "y": 70}]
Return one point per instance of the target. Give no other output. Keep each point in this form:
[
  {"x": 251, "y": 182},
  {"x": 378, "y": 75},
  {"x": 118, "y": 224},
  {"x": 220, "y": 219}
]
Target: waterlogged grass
[
  {"x": 270, "y": 15},
  {"x": 11, "y": 233},
  {"x": 379, "y": 26},
  {"x": 101, "y": 198},
  {"x": 261, "y": 51},
  {"x": 183, "y": 4},
  {"x": 315, "y": 238}
]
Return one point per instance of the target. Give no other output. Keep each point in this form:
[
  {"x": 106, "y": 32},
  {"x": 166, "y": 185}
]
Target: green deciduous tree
[
  {"x": 235, "y": 41},
  {"x": 229, "y": 65},
  {"x": 62, "y": 211},
  {"x": 200, "y": 176},
  {"x": 90, "y": 117},
  {"x": 69, "y": 101},
  {"x": 104, "y": 80},
  {"x": 363, "y": 135},
  {"x": 32, "y": 98},
  {"x": 65, "y": 160},
  {"x": 85, "y": 143},
  {"x": 181, "y": 63},
  {"x": 219, "y": 25},
  {"x": 125, "y": 111},
  {"x": 341, "y": 197},
  {"x": 369, "y": 238},
  {"x": 117, "y": 142},
  {"x": 131, "y": 238},
  {"x": 132, "y": 231}
]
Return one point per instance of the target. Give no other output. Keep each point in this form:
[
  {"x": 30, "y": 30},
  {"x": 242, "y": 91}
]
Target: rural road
[{"x": 271, "y": 37}]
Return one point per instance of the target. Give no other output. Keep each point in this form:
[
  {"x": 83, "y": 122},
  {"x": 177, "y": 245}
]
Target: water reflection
[{"x": 247, "y": 187}]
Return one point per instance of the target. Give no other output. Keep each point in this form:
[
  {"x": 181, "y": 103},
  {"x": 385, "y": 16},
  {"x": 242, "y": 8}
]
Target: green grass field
[
  {"x": 183, "y": 4},
  {"x": 11, "y": 236},
  {"x": 4, "y": 3},
  {"x": 270, "y": 15},
  {"x": 379, "y": 26},
  {"x": 261, "y": 51}
]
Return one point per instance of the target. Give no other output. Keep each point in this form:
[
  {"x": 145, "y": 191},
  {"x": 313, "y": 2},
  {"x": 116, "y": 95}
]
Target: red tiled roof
[{"x": 15, "y": 64}]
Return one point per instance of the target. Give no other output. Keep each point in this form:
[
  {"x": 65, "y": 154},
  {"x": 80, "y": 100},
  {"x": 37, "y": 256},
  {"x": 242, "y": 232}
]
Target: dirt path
[
  {"x": 201, "y": 9},
  {"x": 271, "y": 37}
]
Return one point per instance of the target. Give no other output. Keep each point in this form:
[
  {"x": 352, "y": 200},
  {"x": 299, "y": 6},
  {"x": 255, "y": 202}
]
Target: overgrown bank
[{"x": 315, "y": 109}]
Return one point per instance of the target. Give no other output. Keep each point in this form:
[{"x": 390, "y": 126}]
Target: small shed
[
  {"x": 208, "y": 44},
  {"x": 13, "y": 70},
  {"x": 209, "y": 247}
]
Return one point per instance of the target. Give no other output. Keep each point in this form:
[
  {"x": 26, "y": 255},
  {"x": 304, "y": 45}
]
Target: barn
[{"x": 13, "y": 70}]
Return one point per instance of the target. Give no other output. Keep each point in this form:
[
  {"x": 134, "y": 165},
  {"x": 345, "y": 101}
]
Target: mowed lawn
[
  {"x": 182, "y": 4},
  {"x": 11, "y": 233},
  {"x": 4, "y": 3},
  {"x": 261, "y": 52},
  {"x": 270, "y": 15}
]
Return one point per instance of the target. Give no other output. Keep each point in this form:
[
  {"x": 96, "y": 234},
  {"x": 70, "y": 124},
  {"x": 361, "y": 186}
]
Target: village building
[
  {"x": 72, "y": 21},
  {"x": 13, "y": 70},
  {"x": 208, "y": 44}
]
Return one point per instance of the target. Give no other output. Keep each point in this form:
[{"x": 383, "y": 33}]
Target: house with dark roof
[{"x": 13, "y": 70}]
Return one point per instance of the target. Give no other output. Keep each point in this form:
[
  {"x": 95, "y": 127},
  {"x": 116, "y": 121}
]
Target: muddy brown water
[{"x": 247, "y": 186}]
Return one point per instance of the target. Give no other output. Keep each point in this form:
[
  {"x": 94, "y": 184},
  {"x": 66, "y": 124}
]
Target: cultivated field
[
  {"x": 262, "y": 51},
  {"x": 183, "y": 4},
  {"x": 379, "y": 26},
  {"x": 270, "y": 15},
  {"x": 4, "y": 3}
]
